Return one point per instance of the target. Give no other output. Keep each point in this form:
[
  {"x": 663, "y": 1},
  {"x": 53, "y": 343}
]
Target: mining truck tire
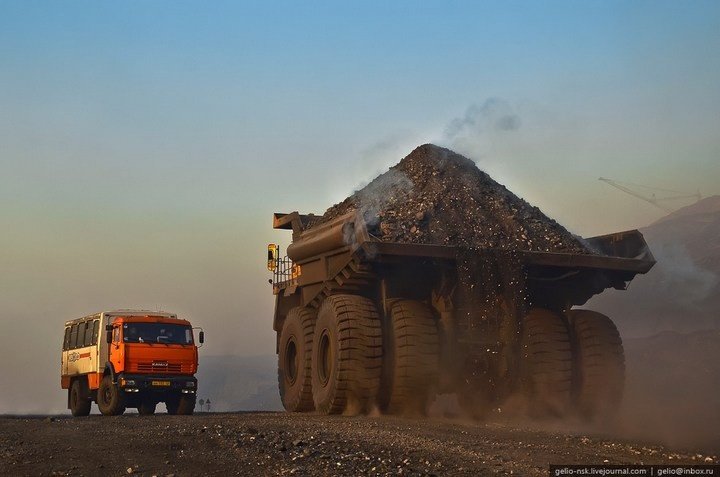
[
  {"x": 295, "y": 360},
  {"x": 546, "y": 364},
  {"x": 411, "y": 358},
  {"x": 599, "y": 364},
  {"x": 180, "y": 404},
  {"x": 147, "y": 407},
  {"x": 79, "y": 398},
  {"x": 346, "y": 355},
  {"x": 110, "y": 398}
]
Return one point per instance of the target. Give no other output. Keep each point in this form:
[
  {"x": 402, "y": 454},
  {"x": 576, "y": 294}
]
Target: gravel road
[{"x": 285, "y": 444}]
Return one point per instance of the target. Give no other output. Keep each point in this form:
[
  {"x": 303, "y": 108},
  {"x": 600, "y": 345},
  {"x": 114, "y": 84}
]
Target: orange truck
[{"x": 130, "y": 358}]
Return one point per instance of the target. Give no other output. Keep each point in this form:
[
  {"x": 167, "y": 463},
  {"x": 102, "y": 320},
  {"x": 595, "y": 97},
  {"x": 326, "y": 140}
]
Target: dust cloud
[{"x": 473, "y": 133}]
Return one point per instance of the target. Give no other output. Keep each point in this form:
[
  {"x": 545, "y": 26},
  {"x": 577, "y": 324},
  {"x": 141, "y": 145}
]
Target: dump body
[
  {"x": 144, "y": 357},
  {"x": 330, "y": 254},
  {"x": 474, "y": 318}
]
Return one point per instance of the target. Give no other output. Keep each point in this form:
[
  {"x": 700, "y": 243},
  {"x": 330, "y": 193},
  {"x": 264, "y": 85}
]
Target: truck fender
[{"x": 110, "y": 369}]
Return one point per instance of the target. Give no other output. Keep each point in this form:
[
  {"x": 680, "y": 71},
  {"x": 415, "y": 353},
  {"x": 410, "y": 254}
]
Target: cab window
[
  {"x": 81, "y": 335},
  {"x": 88, "y": 333},
  {"x": 66, "y": 339},
  {"x": 95, "y": 332},
  {"x": 73, "y": 337}
]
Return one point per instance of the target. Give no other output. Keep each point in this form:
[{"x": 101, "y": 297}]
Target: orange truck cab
[{"x": 130, "y": 358}]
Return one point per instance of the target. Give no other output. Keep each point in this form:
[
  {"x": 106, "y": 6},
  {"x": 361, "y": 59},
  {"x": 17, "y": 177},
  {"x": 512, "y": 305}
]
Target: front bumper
[{"x": 135, "y": 383}]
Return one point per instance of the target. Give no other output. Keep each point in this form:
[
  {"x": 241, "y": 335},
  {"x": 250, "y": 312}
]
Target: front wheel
[
  {"x": 294, "y": 360},
  {"x": 346, "y": 355},
  {"x": 183, "y": 404},
  {"x": 79, "y": 399},
  {"x": 110, "y": 398}
]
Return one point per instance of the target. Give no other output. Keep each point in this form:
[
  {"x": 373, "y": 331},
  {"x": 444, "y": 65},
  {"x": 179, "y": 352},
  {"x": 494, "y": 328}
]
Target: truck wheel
[
  {"x": 79, "y": 398},
  {"x": 546, "y": 363},
  {"x": 600, "y": 363},
  {"x": 346, "y": 355},
  {"x": 147, "y": 407},
  {"x": 411, "y": 360},
  {"x": 110, "y": 398},
  {"x": 182, "y": 405},
  {"x": 295, "y": 358}
]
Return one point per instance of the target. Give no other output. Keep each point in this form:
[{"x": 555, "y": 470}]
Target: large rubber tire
[
  {"x": 79, "y": 398},
  {"x": 147, "y": 407},
  {"x": 181, "y": 405},
  {"x": 346, "y": 355},
  {"x": 411, "y": 358},
  {"x": 110, "y": 398},
  {"x": 599, "y": 364},
  {"x": 546, "y": 363},
  {"x": 295, "y": 360}
]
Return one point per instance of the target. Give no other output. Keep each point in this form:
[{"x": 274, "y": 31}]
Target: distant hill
[
  {"x": 682, "y": 291},
  {"x": 239, "y": 383}
]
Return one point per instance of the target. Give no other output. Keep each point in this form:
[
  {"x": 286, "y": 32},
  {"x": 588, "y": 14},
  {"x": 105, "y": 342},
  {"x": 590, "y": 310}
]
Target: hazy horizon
[{"x": 145, "y": 146}]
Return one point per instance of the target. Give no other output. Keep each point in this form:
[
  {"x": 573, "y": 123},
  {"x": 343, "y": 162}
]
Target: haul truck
[
  {"x": 362, "y": 323},
  {"x": 130, "y": 358}
]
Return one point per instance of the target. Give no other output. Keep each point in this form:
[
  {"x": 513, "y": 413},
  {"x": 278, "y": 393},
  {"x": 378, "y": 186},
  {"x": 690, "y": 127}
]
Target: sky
[{"x": 145, "y": 145}]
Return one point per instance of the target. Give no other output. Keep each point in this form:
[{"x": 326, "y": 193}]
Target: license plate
[{"x": 160, "y": 383}]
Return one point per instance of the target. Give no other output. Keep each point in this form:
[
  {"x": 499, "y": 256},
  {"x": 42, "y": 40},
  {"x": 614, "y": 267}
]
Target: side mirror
[
  {"x": 201, "y": 337},
  {"x": 272, "y": 256},
  {"x": 108, "y": 335}
]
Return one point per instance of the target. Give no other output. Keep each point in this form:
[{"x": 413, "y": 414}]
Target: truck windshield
[{"x": 157, "y": 333}]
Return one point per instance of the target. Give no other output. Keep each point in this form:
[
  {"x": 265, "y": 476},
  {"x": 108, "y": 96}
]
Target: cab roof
[{"x": 137, "y": 315}]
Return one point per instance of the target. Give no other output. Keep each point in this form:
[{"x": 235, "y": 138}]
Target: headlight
[
  {"x": 127, "y": 382},
  {"x": 190, "y": 384}
]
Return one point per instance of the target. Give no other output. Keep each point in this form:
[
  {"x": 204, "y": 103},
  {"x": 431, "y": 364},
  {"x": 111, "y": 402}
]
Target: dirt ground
[{"x": 251, "y": 444}]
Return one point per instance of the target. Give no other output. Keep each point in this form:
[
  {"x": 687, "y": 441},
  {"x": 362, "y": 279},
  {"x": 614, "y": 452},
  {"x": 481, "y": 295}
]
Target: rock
[{"x": 435, "y": 196}]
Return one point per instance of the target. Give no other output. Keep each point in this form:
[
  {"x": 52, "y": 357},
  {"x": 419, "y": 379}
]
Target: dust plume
[{"x": 474, "y": 132}]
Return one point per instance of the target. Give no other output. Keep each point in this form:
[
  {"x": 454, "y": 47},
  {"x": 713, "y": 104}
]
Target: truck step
[
  {"x": 358, "y": 266},
  {"x": 350, "y": 281},
  {"x": 334, "y": 286},
  {"x": 347, "y": 272}
]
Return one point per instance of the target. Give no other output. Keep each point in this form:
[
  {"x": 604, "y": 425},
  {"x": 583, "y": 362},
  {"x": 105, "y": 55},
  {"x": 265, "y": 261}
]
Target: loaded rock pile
[{"x": 435, "y": 196}]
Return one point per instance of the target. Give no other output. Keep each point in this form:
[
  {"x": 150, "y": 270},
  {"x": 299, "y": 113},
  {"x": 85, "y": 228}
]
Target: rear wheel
[
  {"x": 110, "y": 398},
  {"x": 346, "y": 355},
  {"x": 546, "y": 363},
  {"x": 79, "y": 398},
  {"x": 599, "y": 363},
  {"x": 295, "y": 359},
  {"x": 411, "y": 358},
  {"x": 183, "y": 404}
]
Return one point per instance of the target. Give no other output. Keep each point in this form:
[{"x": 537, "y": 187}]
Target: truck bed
[{"x": 341, "y": 252}]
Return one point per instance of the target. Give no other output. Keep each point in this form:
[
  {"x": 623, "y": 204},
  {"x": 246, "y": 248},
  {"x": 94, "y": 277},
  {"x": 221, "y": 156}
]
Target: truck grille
[{"x": 157, "y": 367}]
